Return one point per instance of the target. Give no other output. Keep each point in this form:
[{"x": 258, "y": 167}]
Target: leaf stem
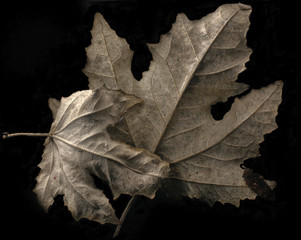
[
  {"x": 123, "y": 216},
  {"x": 9, "y": 135}
]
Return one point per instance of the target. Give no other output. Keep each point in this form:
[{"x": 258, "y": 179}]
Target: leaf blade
[
  {"x": 178, "y": 65},
  {"x": 219, "y": 165},
  {"x": 212, "y": 132},
  {"x": 194, "y": 66},
  {"x": 79, "y": 145}
]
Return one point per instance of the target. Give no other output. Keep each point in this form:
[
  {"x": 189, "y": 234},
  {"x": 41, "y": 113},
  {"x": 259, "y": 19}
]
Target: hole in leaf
[{"x": 219, "y": 109}]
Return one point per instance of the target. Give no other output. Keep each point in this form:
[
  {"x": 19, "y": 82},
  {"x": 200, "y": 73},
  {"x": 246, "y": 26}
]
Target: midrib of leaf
[
  {"x": 156, "y": 104},
  {"x": 185, "y": 84},
  {"x": 105, "y": 41},
  {"x": 219, "y": 71},
  {"x": 98, "y": 154},
  {"x": 81, "y": 116},
  {"x": 189, "y": 38},
  {"x": 206, "y": 183}
]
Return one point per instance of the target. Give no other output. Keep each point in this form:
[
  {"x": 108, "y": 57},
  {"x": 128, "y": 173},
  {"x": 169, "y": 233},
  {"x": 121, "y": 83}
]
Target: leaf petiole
[
  {"x": 124, "y": 214},
  {"x": 9, "y": 135}
]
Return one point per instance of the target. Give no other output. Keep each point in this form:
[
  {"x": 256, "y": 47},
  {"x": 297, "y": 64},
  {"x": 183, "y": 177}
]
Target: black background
[{"x": 42, "y": 54}]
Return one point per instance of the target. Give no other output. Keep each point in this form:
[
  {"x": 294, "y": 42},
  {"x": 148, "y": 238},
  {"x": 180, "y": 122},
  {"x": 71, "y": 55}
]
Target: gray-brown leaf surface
[
  {"x": 194, "y": 66},
  {"x": 79, "y": 145}
]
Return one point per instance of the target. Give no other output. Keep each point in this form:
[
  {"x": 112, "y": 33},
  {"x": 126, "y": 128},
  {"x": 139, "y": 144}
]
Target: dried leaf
[
  {"x": 194, "y": 66},
  {"x": 79, "y": 146},
  {"x": 208, "y": 165}
]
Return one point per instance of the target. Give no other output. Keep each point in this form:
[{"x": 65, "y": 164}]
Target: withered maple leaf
[
  {"x": 79, "y": 145},
  {"x": 194, "y": 66},
  {"x": 167, "y": 134}
]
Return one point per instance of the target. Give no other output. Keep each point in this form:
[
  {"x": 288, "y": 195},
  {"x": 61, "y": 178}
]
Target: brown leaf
[
  {"x": 194, "y": 66},
  {"x": 79, "y": 145}
]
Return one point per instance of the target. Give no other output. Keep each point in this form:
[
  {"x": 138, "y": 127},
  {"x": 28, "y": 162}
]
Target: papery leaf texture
[
  {"x": 195, "y": 65},
  {"x": 79, "y": 146},
  {"x": 138, "y": 136}
]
